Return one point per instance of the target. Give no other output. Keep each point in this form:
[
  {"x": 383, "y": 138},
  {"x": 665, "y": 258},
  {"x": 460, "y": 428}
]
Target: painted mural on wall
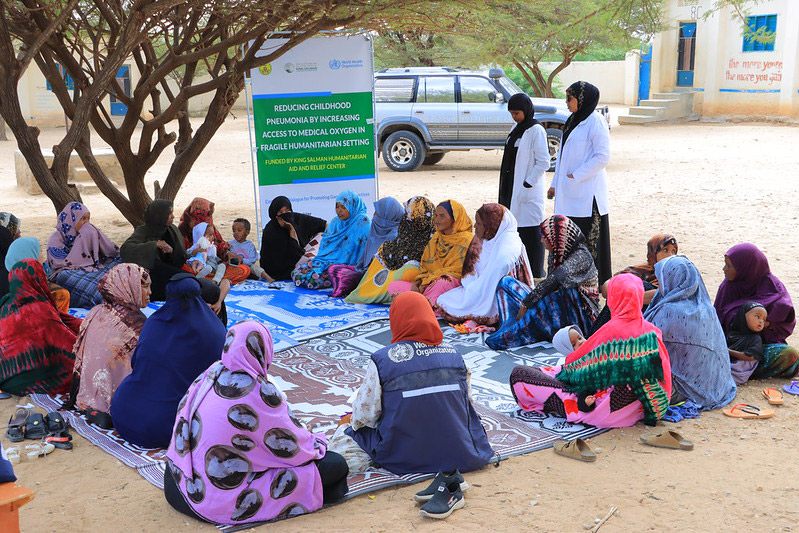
[{"x": 745, "y": 73}]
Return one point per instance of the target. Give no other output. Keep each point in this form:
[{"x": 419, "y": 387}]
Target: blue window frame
[
  {"x": 67, "y": 79},
  {"x": 767, "y": 23}
]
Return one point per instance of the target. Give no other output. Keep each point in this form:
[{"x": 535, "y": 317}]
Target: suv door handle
[
  {"x": 466, "y": 112},
  {"x": 419, "y": 112}
]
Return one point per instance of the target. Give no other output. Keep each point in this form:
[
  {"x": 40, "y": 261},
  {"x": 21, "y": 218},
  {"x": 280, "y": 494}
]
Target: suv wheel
[
  {"x": 403, "y": 151},
  {"x": 554, "y": 135},
  {"x": 433, "y": 158}
]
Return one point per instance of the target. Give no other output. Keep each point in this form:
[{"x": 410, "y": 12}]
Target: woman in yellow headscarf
[{"x": 442, "y": 260}]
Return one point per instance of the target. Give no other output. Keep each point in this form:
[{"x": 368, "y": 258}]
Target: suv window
[
  {"x": 475, "y": 90},
  {"x": 436, "y": 90},
  {"x": 394, "y": 90}
]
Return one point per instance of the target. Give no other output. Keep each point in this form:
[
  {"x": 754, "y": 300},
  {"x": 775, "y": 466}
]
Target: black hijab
[
  {"x": 279, "y": 251},
  {"x": 6, "y": 238},
  {"x": 587, "y": 97},
  {"x": 517, "y": 102},
  {"x": 743, "y": 339}
]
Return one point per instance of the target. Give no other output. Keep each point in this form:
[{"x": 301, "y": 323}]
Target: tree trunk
[{"x": 3, "y": 136}]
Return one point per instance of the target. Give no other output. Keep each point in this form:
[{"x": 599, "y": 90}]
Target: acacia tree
[{"x": 209, "y": 46}]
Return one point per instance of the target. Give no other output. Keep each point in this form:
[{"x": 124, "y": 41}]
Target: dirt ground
[{"x": 710, "y": 185}]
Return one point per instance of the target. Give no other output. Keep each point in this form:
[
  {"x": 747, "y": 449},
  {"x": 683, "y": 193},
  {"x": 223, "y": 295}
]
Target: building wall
[
  {"x": 727, "y": 80},
  {"x": 608, "y": 76}
]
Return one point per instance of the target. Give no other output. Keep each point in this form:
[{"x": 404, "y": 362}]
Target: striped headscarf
[{"x": 564, "y": 236}]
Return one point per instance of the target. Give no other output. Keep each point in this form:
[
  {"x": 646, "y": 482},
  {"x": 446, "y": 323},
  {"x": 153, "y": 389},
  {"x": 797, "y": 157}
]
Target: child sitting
[
  {"x": 565, "y": 341},
  {"x": 744, "y": 341},
  {"x": 202, "y": 255},
  {"x": 245, "y": 250}
]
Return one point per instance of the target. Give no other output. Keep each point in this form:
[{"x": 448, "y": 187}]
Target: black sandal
[
  {"x": 99, "y": 418},
  {"x": 58, "y": 431},
  {"x": 16, "y": 424},
  {"x": 35, "y": 428}
]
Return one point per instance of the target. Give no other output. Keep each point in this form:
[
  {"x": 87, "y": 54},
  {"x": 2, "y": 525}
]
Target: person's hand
[
  {"x": 292, "y": 231},
  {"x": 551, "y": 193},
  {"x": 164, "y": 247},
  {"x": 196, "y": 266},
  {"x": 522, "y": 312},
  {"x": 570, "y": 176},
  {"x": 216, "y": 307}
]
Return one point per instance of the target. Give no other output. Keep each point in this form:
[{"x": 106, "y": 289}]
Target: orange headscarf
[{"x": 412, "y": 319}]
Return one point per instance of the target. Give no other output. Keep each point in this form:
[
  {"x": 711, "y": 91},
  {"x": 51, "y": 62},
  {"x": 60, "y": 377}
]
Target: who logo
[{"x": 334, "y": 64}]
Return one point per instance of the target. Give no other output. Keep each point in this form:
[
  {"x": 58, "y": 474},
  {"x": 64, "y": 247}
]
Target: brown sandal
[
  {"x": 743, "y": 410},
  {"x": 576, "y": 449},
  {"x": 773, "y": 395},
  {"x": 667, "y": 439}
]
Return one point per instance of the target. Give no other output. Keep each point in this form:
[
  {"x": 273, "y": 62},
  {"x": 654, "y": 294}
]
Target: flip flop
[
  {"x": 576, "y": 449},
  {"x": 773, "y": 395},
  {"x": 793, "y": 388},
  {"x": 743, "y": 410},
  {"x": 16, "y": 425},
  {"x": 667, "y": 439}
]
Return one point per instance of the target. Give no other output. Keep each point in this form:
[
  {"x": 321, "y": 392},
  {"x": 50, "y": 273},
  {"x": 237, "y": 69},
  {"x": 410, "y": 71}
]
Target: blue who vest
[{"x": 428, "y": 422}]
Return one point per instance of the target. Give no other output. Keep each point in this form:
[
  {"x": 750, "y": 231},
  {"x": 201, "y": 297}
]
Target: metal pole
[{"x": 253, "y": 149}]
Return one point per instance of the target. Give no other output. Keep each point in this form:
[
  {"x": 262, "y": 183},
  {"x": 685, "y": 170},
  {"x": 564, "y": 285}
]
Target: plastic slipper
[
  {"x": 16, "y": 425},
  {"x": 667, "y": 439},
  {"x": 743, "y": 410},
  {"x": 5, "y": 395},
  {"x": 12, "y": 454},
  {"x": 793, "y": 388},
  {"x": 57, "y": 431},
  {"x": 38, "y": 449},
  {"x": 773, "y": 395},
  {"x": 99, "y": 418},
  {"x": 35, "y": 428},
  {"x": 575, "y": 449}
]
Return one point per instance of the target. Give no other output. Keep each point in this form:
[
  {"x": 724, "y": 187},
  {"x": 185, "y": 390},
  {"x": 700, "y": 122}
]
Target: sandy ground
[{"x": 711, "y": 185}]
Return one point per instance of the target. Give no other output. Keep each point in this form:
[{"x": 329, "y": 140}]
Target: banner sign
[{"x": 313, "y": 116}]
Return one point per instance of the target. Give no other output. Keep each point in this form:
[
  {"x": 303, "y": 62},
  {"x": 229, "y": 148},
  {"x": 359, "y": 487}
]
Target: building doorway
[
  {"x": 123, "y": 82},
  {"x": 686, "y": 52}
]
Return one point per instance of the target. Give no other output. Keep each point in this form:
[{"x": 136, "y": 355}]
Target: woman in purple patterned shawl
[
  {"x": 748, "y": 278},
  {"x": 79, "y": 255},
  {"x": 238, "y": 455}
]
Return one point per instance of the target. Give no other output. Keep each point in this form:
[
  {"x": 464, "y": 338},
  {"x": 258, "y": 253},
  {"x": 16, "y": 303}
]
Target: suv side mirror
[{"x": 497, "y": 98}]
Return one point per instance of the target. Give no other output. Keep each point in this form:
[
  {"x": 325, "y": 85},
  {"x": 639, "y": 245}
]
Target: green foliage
[{"x": 518, "y": 78}]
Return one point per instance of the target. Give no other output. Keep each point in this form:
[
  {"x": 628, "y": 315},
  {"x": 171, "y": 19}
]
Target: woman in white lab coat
[
  {"x": 580, "y": 183},
  {"x": 521, "y": 178}
]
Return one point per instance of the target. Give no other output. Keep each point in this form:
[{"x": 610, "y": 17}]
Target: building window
[{"x": 764, "y": 27}]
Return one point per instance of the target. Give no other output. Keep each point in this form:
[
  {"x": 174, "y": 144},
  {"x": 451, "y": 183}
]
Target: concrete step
[
  {"x": 86, "y": 188},
  {"x": 658, "y": 103},
  {"x": 81, "y": 175},
  {"x": 649, "y": 111},
  {"x": 637, "y": 119},
  {"x": 669, "y": 96}
]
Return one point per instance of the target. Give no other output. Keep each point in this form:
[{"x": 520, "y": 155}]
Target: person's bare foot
[{"x": 267, "y": 277}]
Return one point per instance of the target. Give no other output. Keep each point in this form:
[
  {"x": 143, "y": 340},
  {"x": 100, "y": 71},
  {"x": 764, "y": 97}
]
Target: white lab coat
[
  {"x": 585, "y": 155},
  {"x": 532, "y": 161}
]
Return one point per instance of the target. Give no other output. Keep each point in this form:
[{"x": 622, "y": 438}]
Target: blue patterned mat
[{"x": 292, "y": 314}]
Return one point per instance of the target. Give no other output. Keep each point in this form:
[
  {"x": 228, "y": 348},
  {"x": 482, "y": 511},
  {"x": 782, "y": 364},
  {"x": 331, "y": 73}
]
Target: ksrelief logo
[
  {"x": 265, "y": 69},
  {"x": 335, "y": 64},
  {"x": 289, "y": 67}
]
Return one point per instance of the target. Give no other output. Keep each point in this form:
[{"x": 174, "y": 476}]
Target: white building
[{"x": 729, "y": 73}]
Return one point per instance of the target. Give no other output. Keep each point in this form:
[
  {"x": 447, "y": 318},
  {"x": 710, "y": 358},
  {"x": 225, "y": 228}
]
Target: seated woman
[
  {"x": 495, "y": 252},
  {"x": 36, "y": 340},
  {"x": 748, "y": 278},
  {"x": 385, "y": 224},
  {"x": 567, "y": 296},
  {"x": 201, "y": 210},
  {"x": 681, "y": 308},
  {"x": 108, "y": 336},
  {"x": 614, "y": 379},
  {"x": 413, "y": 413},
  {"x": 275, "y": 467},
  {"x": 342, "y": 243},
  {"x": 659, "y": 247},
  {"x": 177, "y": 343},
  {"x": 443, "y": 257},
  {"x": 285, "y": 237},
  {"x": 79, "y": 255},
  {"x": 11, "y": 223},
  {"x": 6, "y": 238},
  {"x": 397, "y": 259}
]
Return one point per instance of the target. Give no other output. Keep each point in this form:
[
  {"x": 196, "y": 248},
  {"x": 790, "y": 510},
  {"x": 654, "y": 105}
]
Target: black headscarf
[
  {"x": 587, "y": 97},
  {"x": 139, "y": 247},
  {"x": 517, "y": 102},
  {"x": 743, "y": 339},
  {"x": 155, "y": 217},
  {"x": 6, "y": 238},
  {"x": 279, "y": 251}
]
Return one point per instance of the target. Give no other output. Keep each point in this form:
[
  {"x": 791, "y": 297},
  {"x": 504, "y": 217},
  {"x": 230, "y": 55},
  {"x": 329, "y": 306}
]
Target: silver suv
[{"x": 423, "y": 113}]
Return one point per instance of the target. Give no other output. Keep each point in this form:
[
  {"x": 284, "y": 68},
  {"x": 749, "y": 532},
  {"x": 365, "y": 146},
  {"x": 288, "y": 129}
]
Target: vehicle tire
[
  {"x": 554, "y": 135},
  {"x": 433, "y": 158},
  {"x": 403, "y": 151}
]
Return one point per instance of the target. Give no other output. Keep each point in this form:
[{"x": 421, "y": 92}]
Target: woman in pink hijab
[
  {"x": 238, "y": 455},
  {"x": 79, "y": 255}
]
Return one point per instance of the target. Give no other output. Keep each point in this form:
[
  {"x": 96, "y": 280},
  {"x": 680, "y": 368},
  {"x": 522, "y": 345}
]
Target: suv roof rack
[{"x": 418, "y": 70}]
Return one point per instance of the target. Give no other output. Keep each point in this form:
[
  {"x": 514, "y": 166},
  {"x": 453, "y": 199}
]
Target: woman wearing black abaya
[
  {"x": 521, "y": 177},
  {"x": 580, "y": 183},
  {"x": 285, "y": 237},
  {"x": 6, "y": 238}
]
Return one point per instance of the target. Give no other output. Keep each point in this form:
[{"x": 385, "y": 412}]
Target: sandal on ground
[
  {"x": 57, "y": 431},
  {"x": 98, "y": 418},
  {"x": 667, "y": 439},
  {"x": 35, "y": 428},
  {"x": 773, "y": 395},
  {"x": 575, "y": 449},
  {"x": 5, "y": 395},
  {"x": 792, "y": 388},
  {"x": 12, "y": 454},
  {"x": 744, "y": 410},
  {"x": 16, "y": 425},
  {"x": 38, "y": 449}
]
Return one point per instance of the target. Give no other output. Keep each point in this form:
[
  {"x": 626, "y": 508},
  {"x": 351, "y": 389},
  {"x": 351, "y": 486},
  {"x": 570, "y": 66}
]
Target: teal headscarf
[
  {"x": 20, "y": 249},
  {"x": 343, "y": 241}
]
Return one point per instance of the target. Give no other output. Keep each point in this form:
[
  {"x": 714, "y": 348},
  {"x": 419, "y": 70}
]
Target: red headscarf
[
  {"x": 412, "y": 319},
  {"x": 201, "y": 210}
]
